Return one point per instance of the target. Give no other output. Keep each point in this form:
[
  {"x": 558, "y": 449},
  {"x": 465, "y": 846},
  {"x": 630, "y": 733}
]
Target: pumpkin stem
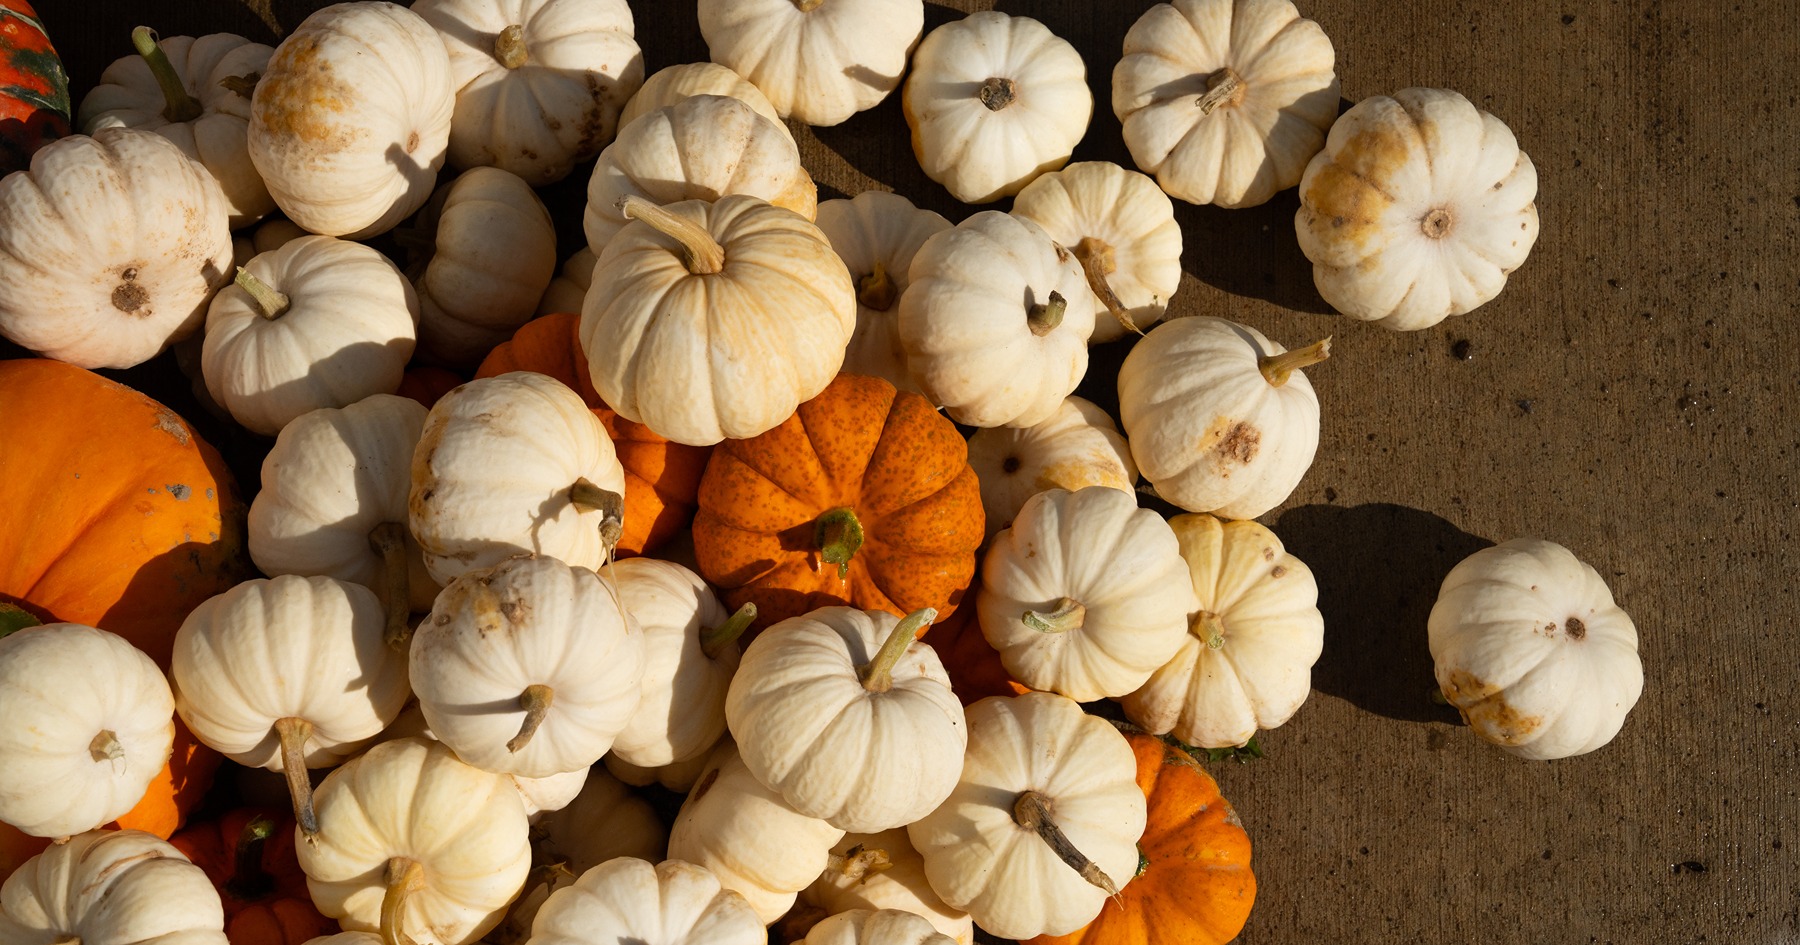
[
  {"x": 269, "y": 303},
  {"x": 700, "y": 253},
  {"x": 509, "y": 46},
  {"x": 1276, "y": 368},
  {"x": 858, "y": 864},
  {"x": 106, "y": 747},
  {"x": 1097, "y": 263},
  {"x": 1224, "y": 87},
  {"x": 1209, "y": 628},
  {"x": 876, "y": 291},
  {"x": 807, "y": 6},
  {"x": 838, "y": 534},
  {"x": 294, "y": 734},
  {"x": 248, "y": 878},
  {"x": 714, "y": 640},
  {"x": 1043, "y": 317},
  {"x": 389, "y": 540},
  {"x": 997, "y": 93},
  {"x": 1035, "y": 811},
  {"x": 877, "y": 675},
  {"x": 244, "y": 85},
  {"x": 588, "y": 496},
  {"x": 404, "y": 877},
  {"x": 179, "y": 105},
  {"x": 14, "y": 618},
  {"x": 1068, "y": 615},
  {"x": 1436, "y": 224},
  {"x": 536, "y": 701}
]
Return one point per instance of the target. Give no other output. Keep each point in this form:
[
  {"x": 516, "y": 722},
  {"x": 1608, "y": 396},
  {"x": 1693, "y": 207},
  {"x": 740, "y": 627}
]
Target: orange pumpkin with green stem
[{"x": 249, "y": 856}]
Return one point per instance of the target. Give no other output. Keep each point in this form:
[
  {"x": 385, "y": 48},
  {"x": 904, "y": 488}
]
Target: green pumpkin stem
[
  {"x": 536, "y": 701},
  {"x": 509, "y": 47},
  {"x": 1068, "y": 615},
  {"x": 1096, "y": 259},
  {"x": 699, "y": 252},
  {"x": 1043, "y": 317},
  {"x": 877, "y": 675},
  {"x": 294, "y": 734},
  {"x": 1277, "y": 368},
  {"x": 838, "y": 534},
  {"x": 270, "y": 304},
  {"x": 179, "y": 105},
  {"x": 714, "y": 640},
  {"x": 389, "y": 540},
  {"x": 248, "y": 878},
  {"x": 14, "y": 618},
  {"x": 403, "y": 878},
  {"x": 1036, "y": 812},
  {"x": 876, "y": 291}
]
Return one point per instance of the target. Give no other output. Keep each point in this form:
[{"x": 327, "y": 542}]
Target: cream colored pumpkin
[
  {"x": 266, "y": 237},
  {"x": 1077, "y": 447},
  {"x": 549, "y": 496},
  {"x": 1220, "y": 419},
  {"x": 89, "y": 724},
  {"x": 487, "y": 251},
  {"x": 884, "y": 927},
  {"x": 877, "y": 234},
  {"x": 819, "y": 61},
  {"x": 1225, "y": 100},
  {"x": 883, "y": 871},
  {"x": 110, "y": 248},
  {"x": 1121, "y": 228},
  {"x": 679, "y": 776},
  {"x": 1246, "y": 663},
  {"x": 569, "y": 287},
  {"x": 996, "y": 321},
  {"x": 690, "y": 655},
  {"x": 702, "y": 147},
  {"x": 351, "y": 121},
  {"x": 671, "y": 84},
  {"x": 708, "y": 321},
  {"x": 1038, "y": 770},
  {"x": 196, "y": 93},
  {"x": 539, "y": 83},
  {"x": 1419, "y": 208},
  {"x": 541, "y": 795},
  {"x": 111, "y": 886},
  {"x": 320, "y": 322},
  {"x": 629, "y": 900},
  {"x": 993, "y": 101},
  {"x": 414, "y": 839},
  {"x": 1086, "y": 594},
  {"x": 1528, "y": 645}
]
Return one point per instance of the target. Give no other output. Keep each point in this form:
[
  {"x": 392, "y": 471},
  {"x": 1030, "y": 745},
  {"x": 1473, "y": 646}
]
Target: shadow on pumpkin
[{"x": 1379, "y": 567}]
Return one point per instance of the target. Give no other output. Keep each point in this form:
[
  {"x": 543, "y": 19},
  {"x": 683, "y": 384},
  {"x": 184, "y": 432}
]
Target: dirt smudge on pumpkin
[
  {"x": 301, "y": 98},
  {"x": 168, "y": 422},
  {"x": 1235, "y": 445},
  {"x": 179, "y": 491},
  {"x": 1483, "y": 707}
]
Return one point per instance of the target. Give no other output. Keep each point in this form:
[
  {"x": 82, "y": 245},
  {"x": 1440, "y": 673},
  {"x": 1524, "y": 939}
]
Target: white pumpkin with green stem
[
  {"x": 320, "y": 322},
  {"x": 1246, "y": 663},
  {"x": 1220, "y": 419},
  {"x": 629, "y": 900},
  {"x": 819, "y": 61},
  {"x": 1086, "y": 594},
  {"x": 671, "y": 84},
  {"x": 196, "y": 93},
  {"x": 568, "y": 288},
  {"x": 877, "y": 234},
  {"x": 876, "y": 927},
  {"x": 89, "y": 724},
  {"x": 1528, "y": 644},
  {"x": 111, "y": 886},
  {"x": 1077, "y": 447},
  {"x": 288, "y": 673},
  {"x": 1122, "y": 229},
  {"x": 417, "y": 845},
  {"x": 882, "y": 871}
]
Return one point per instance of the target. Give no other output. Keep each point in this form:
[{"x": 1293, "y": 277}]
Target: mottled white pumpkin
[
  {"x": 690, "y": 655},
  {"x": 883, "y": 927},
  {"x": 671, "y": 84},
  {"x": 1077, "y": 447},
  {"x": 819, "y": 61},
  {"x": 629, "y": 900},
  {"x": 569, "y": 287},
  {"x": 883, "y": 871},
  {"x": 111, "y": 887},
  {"x": 877, "y": 234}
]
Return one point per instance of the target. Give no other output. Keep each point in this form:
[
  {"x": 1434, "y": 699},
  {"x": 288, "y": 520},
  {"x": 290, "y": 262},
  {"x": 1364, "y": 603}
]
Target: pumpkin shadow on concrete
[{"x": 1379, "y": 567}]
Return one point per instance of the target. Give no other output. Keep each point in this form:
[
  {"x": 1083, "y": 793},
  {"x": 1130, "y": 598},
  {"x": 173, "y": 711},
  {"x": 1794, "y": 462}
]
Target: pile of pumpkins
[{"x": 703, "y": 518}]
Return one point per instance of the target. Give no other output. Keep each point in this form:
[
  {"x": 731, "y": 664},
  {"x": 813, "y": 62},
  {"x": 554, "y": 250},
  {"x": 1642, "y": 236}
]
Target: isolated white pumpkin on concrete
[
  {"x": 1077, "y": 447},
  {"x": 111, "y": 886},
  {"x": 818, "y": 61},
  {"x": 877, "y": 234},
  {"x": 629, "y": 900},
  {"x": 671, "y": 84}
]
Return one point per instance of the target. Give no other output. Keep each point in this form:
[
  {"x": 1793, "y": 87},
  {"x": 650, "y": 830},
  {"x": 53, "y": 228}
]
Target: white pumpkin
[
  {"x": 819, "y": 61},
  {"x": 1225, "y": 100},
  {"x": 110, "y": 248},
  {"x": 993, "y": 101},
  {"x": 877, "y": 234},
  {"x": 109, "y": 887},
  {"x": 629, "y": 900},
  {"x": 690, "y": 655},
  {"x": 1246, "y": 663},
  {"x": 196, "y": 93},
  {"x": 1220, "y": 419},
  {"x": 883, "y": 871},
  {"x": 1419, "y": 208},
  {"x": 568, "y": 288},
  {"x": 1077, "y": 447},
  {"x": 486, "y": 252},
  {"x": 559, "y": 489},
  {"x": 996, "y": 320},
  {"x": 320, "y": 322},
  {"x": 351, "y": 120},
  {"x": 1121, "y": 228},
  {"x": 89, "y": 724},
  {"x": 539, "y": 83},
  {"x": 541, "y": 795},
  {"x": 266, "y": 237},
  {"x": 1528, "y": 645},
  {"x": 1043, "y": 826},
  {"x": 529, "y": 667},
  {"x": 417, "y": 844},
  {"x": 678, "y": 776},
  {"x": 671, "y": 84},
  {"x": 883, "y": 927}
]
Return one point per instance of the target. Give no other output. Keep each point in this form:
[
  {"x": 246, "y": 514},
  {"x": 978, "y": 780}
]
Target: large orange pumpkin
[
  {"x": 117, "y": 514},
  {"x": 249, "y": 856},
  {"x": 973, "y": 664},
  {"x": 863, "y": 497},
  {"x": 1194, "y": 885},
  {"x": 660, "y": 477}
]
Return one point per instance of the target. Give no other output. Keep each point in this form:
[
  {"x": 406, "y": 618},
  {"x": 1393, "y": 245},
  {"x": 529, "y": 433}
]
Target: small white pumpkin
[
  {"x": 109, "y": 887},
  {"x": 629, "y": 900},
  {"x": 196, "y": 93},
  {"x": 110, "y": 248},
  {"x": 877, "y": 234},
  {"x": 320, "y": 322},
  {"x": 1225, "y": 100},
  {"x": 1246, "y": 663},
  {"x": 678, "y": 776},
  {"x": 819, "y": 61},
  {"x": 350, "y": 122},
  {"x": 541, "y": 795},
  {"x": 1220, "y": 419},
  {"x": 883, "y": 871},
  {"x": 671, "y": 84},
  {"x": 568, "y": 288},
  {"x": 1077, "y": 447},
  {"x": 539, "y": 83},
  {"x": 993, "y": 101},
  {"x": 89, "y": 724},
  {"x": 1419, "y": 208},
  {"x": 266, "y": 237},
  {"x": 1528, "y": 645},
  {"x": 869, "y": 927}
]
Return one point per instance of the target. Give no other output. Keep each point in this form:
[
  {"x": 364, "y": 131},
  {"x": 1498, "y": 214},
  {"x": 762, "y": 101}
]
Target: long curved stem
[
  {"x": 389, "y": 540},
  {"x": 536, "y": 701},
  {"x": 1069, "y": 614},
  {"x": 588, "y": 496},
  {"x": 294, "y": 734},
  {"x": 1277, "y": 368},
  {"x": 1096, "y": 259},
  {"x": 1035, "y": 811},
  {"x": 877, "y": 675},
  {"x": 714, "y": 640},
  {"x": 1044, "y": 316},
  {"x": 248, "y": 878},
  {"x": 700, "y": 253},
  {"x": 179, "y": 106},
  {"x": 404, "y": 877}
]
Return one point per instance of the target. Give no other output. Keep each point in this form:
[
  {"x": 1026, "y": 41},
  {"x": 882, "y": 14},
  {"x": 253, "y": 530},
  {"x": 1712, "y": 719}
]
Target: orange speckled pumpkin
[
  {"x": 425, "y": 383},
  {"x": 117, "y": 514},
  {"x": 660, "y": 477},
  {"x": 1194, "y": 885},
  {"x": 249, "y": 856},
  {"x": 974, "y": 666},
  {"x": 863, "y": 497}
]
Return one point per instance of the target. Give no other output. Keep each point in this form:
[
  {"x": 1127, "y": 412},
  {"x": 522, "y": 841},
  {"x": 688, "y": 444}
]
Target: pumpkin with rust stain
[
  {"x": 34, "y": 89},
  {"x": 1079, "y": 446},
  {"x": 863, "y": 497},
  {"x": 120, "y": 516},
  {"x": 1194, "y": 885},
  {"x": 249, "y": 856}
]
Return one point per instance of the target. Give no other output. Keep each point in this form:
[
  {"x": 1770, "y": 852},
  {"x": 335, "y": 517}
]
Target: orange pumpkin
[
  {"x": 425, "y": 383},
  {"x": 1194, "y": 885},
  {"x": 974, "y": 666},
  {"x": 660, "y": 477},
  {"x": 117, "y": 515},
  {"x": 863, "y": 497},
  {"x": 249, "y": 856}
]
